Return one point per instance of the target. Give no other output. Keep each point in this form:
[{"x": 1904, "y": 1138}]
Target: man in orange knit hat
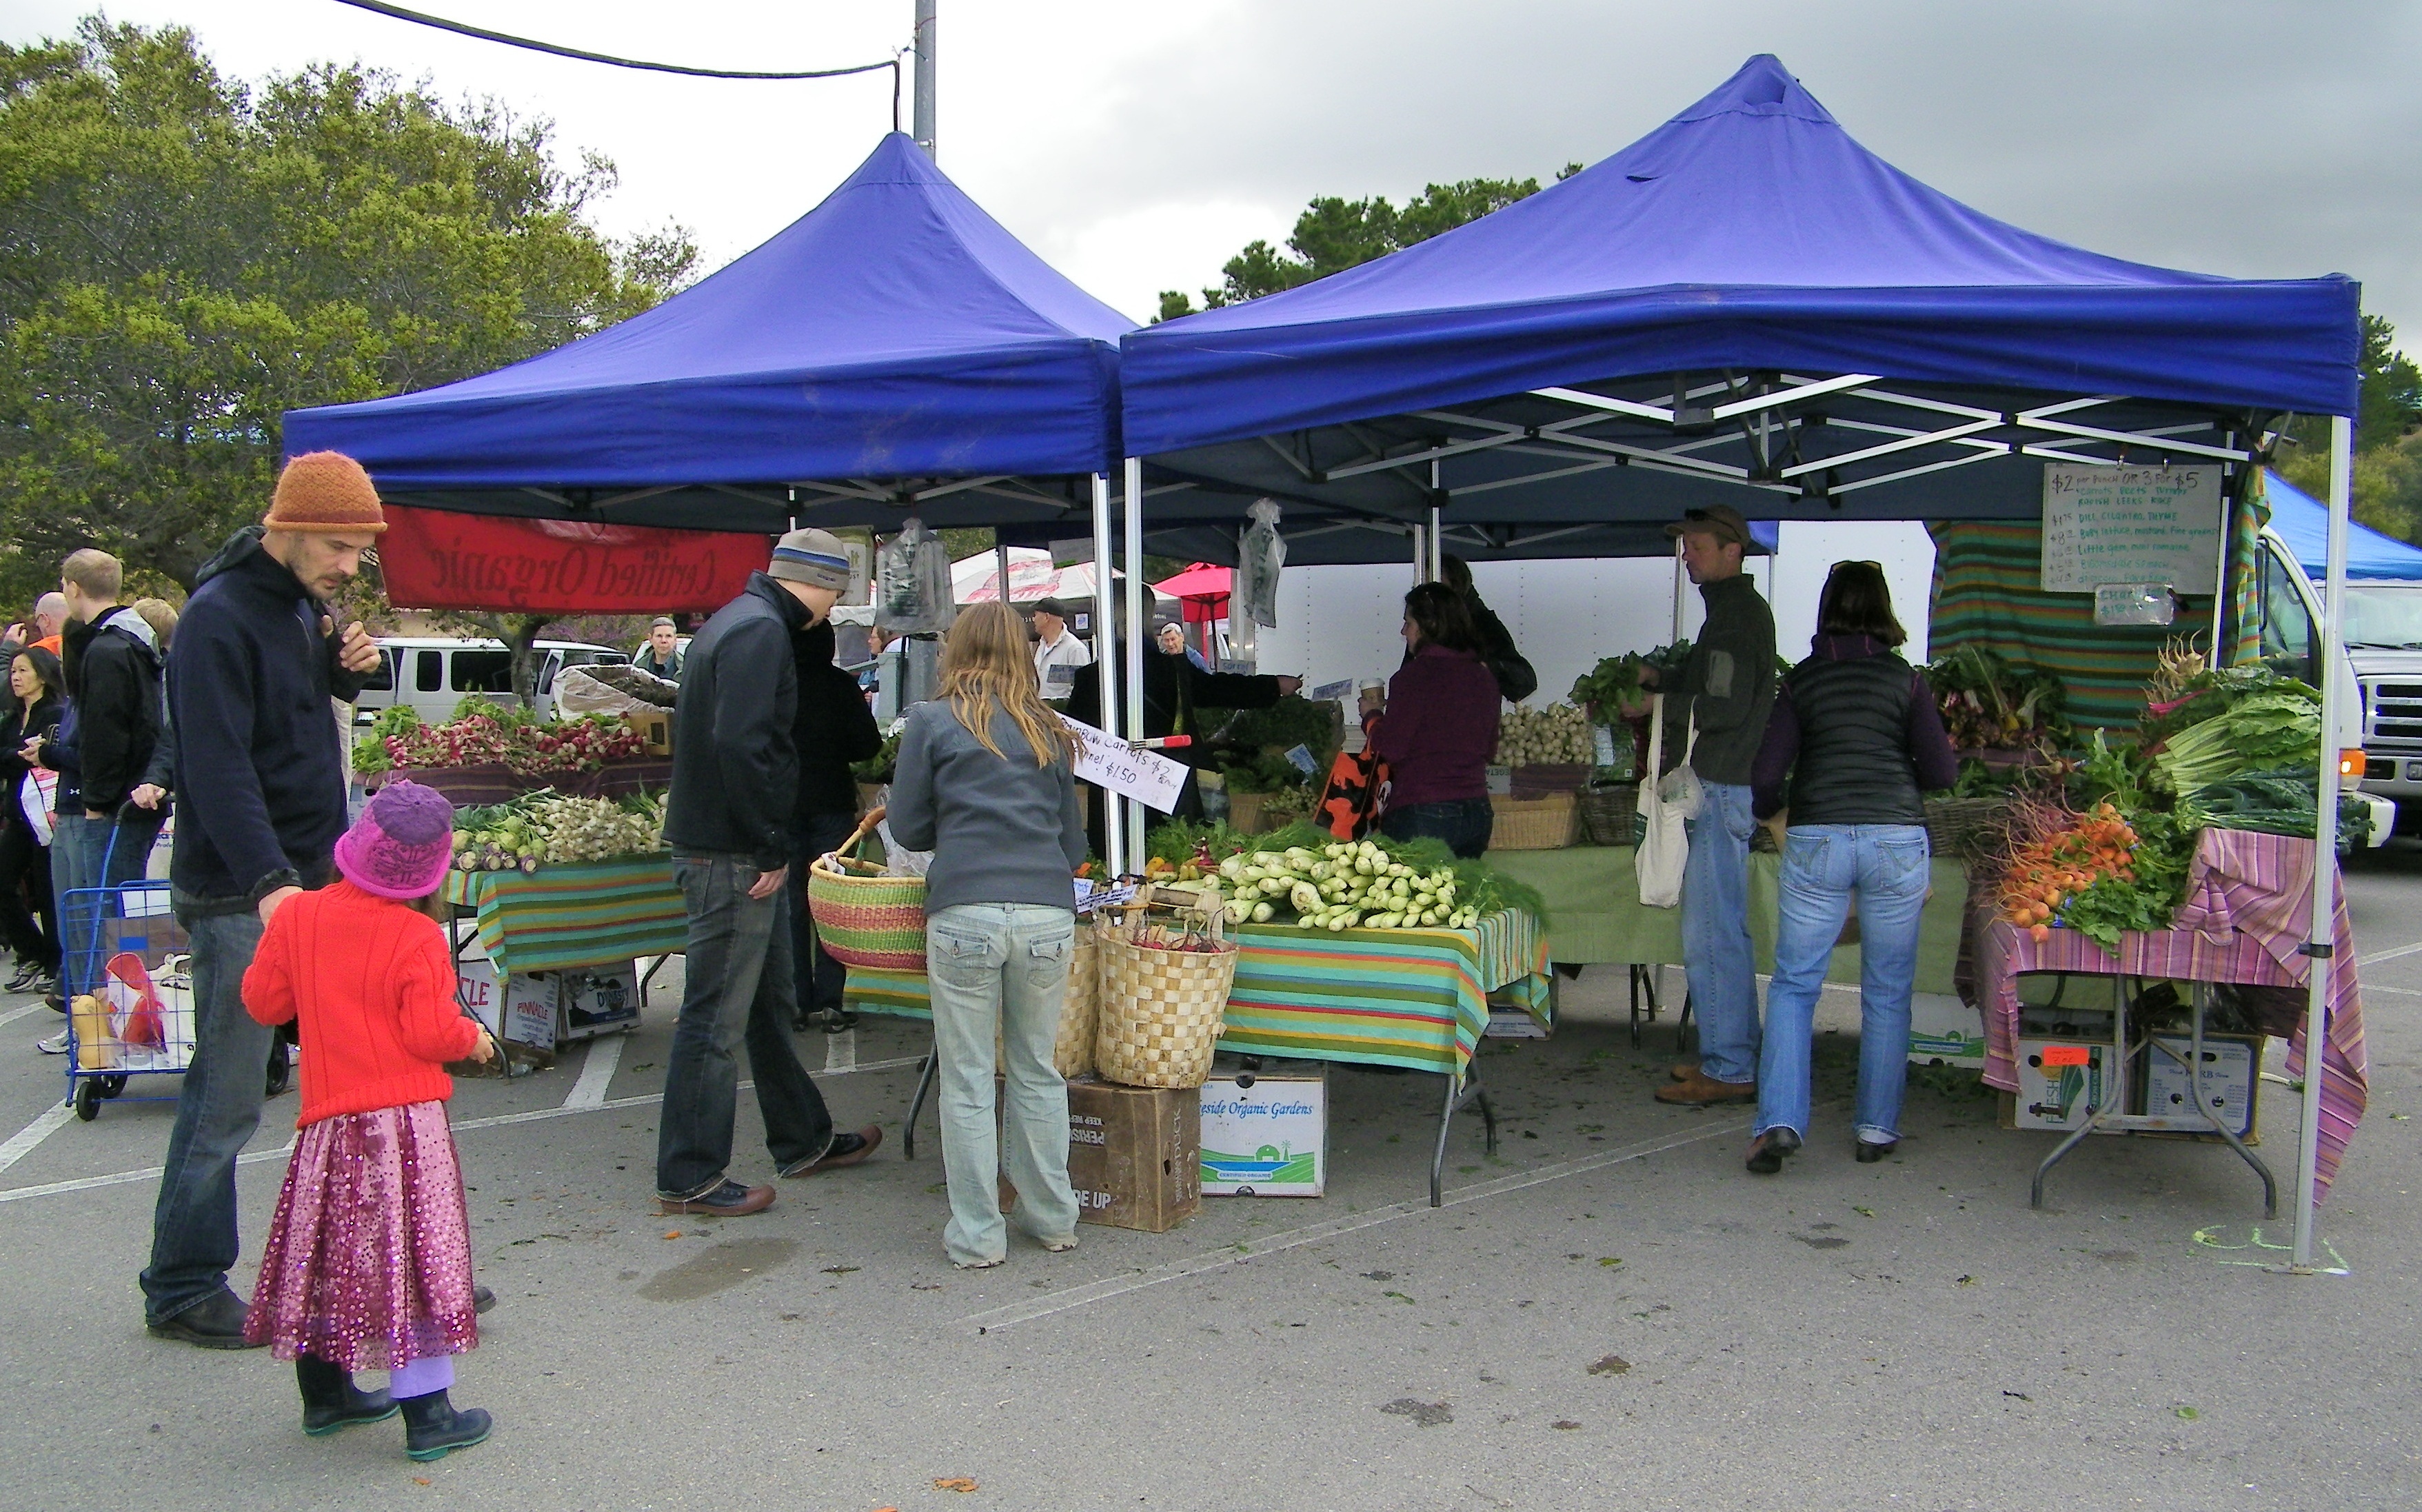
[{"x": 260, "y": 773}]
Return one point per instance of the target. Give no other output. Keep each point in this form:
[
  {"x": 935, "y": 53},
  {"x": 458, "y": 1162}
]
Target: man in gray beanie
[{"x": 735, "y": 780}]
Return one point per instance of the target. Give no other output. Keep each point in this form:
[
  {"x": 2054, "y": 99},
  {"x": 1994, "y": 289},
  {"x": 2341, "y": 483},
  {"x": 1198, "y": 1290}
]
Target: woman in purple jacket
[
  {"x": 1437, "y": 726},
  {"x": 1856, "y": 732}
]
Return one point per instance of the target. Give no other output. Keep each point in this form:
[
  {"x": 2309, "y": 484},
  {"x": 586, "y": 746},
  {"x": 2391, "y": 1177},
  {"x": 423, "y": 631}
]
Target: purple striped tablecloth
[{"x": 2249, "y": 901}]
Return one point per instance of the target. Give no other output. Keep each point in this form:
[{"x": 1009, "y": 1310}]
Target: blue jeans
[
  {"x": 736, "y": 989},
  {"x": 71, "y": 871},
  {"x": 1716, "y": 955},
  {"x": 1887, "y": 867},
  {"x": 124, "y": 843},
  {"x": 105, "y": 854},
  {"x": 218, "y": 1106},
  {"x": 1464, "y": 824},
  {"x": 1002, "y": 965}
]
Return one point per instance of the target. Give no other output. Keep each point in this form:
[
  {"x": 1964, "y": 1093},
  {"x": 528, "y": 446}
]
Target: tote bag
[
  {"x": 35, "y": 797},
  {"x": 1666, "y": 805}
]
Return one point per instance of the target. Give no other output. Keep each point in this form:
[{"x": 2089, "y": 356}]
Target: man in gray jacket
[
  {"x": 1726, "y": 690},
  {"x": 735, "y": 780}
]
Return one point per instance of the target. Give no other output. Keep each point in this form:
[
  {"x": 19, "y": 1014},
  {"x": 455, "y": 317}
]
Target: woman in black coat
[{"x": 28, "y": 919}]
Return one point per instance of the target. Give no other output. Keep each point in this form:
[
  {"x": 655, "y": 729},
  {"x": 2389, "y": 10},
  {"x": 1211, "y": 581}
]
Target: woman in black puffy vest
[{"x": 1855, "y": 736}]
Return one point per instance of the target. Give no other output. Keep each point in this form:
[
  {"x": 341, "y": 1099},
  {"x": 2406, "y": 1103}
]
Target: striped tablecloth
[
  {"x": 2249, "y": 902},
  {"x": 592, "y": 913},
  {"x": 1412, "y": 998}
]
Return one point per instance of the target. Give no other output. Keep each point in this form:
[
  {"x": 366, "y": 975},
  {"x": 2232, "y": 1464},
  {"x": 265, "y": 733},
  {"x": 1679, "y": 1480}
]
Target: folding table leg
[
  {"x": 926, "y": 1075},
  {"x": 1461, "y": 1092}
]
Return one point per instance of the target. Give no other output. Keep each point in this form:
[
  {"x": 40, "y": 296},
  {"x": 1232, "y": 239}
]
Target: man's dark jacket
[
  {"x": 833, "y": 726},
  {"x": 1174, "y": 689},
  {"x": 735, "y": 757},
  {"x": 261, "y": 761},
  {"x": 116, "y": 692}
]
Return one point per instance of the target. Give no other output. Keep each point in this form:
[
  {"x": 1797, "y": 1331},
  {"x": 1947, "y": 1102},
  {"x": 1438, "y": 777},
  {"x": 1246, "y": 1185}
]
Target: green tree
[
  {"x": 2386, "y": 482},
  {"x": 183, "y": 258},
  {"x": 1334, "y": 234}
]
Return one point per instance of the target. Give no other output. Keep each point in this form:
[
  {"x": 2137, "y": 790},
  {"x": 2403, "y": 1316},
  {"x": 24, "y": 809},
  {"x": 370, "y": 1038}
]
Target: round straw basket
[
  {"x": 1160, "y": 1008},
  {"x": 862, "y": 916},
  {"x": 1072, "y": 1051},
  {"x": 1955, "y": 827},
  {"x": 1611, "y": 814}
]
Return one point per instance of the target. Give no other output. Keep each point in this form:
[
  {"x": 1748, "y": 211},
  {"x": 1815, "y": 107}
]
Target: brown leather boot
[
  {"x": 1699, "y": 1089},
  {"x": 1683, "y": 1071}
]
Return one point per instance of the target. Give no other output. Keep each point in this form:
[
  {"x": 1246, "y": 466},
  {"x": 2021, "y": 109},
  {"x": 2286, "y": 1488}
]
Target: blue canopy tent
[
  {"x": 1746, "y": 306},
  {"x": 2304, "y": 522}
]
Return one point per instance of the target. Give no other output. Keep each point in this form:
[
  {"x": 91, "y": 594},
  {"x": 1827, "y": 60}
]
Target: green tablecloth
[{"x": 1595, "y": 913}]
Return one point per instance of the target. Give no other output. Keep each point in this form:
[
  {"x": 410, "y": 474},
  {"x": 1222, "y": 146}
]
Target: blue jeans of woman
[
  {"x": 1887, "y": 867},
  {"x": 1464, "y": 824},
  {"x": 1002, "y": 965}
]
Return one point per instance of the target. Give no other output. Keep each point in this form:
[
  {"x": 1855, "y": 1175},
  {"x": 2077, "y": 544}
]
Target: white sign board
[
  {"x": 2131, "y": 524},
  {"x": 1148, "y": 777}
]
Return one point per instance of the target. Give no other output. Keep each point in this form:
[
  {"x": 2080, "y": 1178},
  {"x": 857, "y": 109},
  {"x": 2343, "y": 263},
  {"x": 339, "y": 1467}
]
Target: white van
[
  {"x": 432, "y": 673},
  {"x": 2289, "y": 607}
]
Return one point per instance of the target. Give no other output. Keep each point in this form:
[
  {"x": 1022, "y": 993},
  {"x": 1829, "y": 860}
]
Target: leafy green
[
  {"x": 2282, "y": 803},
  {"x": 1615, "y": 680},
  {"x": 1293, "y": 720},
  {"x": 2278, "y": 727},
  {"x": 2209, "y": 695},
  {"x": 2165, "y": 848}
]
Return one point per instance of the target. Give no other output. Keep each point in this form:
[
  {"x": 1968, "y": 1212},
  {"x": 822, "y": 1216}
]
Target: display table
[
  {"x": 1595, "y": 913},
  {"x": 589, "y": 913},
  {"x": 2247, "y": 911}
]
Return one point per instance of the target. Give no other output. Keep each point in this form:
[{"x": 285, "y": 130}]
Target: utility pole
[{"x": 921, "y": 121}]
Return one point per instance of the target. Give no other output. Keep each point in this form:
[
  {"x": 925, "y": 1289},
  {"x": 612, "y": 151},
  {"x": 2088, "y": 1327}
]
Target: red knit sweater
[{"x": 373, "y": 985}]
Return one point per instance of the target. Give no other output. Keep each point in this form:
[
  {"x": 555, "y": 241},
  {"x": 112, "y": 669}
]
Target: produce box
[
  {"x": 523, "y": 1009},
  {"x": 2231, "y": 1079},
  {"x": 655, "y": 728},
  {"x": 1944, "y": 1031},
  {"x": 2061, "y": 1082},
  {"x": 599, "y": 1001},
  {"x": 1135, "y": 1154},
  {"x": 1266, "y": 1133}
]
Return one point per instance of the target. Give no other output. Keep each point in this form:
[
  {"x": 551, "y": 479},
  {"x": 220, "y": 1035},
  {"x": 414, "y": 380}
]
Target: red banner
[{"x": 438, "y": 559}]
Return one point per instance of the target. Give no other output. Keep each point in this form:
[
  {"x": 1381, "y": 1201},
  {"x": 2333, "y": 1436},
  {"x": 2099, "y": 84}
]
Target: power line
[{"x": 483, "y": 34}]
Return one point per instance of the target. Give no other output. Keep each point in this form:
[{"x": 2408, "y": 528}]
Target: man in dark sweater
[
  {"x": 1725, "y": 690},
  {"x": 735, "y": 790},
  {"x": 260, "y": 773},
  {"x": 833, "y": 729},
  {"x": 118, "y": 692}
]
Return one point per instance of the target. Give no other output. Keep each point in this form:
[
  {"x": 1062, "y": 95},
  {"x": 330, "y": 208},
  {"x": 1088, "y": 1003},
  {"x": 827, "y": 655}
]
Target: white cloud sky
[{"x": 1137, "y": 147}]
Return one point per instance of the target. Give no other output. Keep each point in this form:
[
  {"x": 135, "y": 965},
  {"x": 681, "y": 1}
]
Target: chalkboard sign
[{"x": 2131, "y": 524}]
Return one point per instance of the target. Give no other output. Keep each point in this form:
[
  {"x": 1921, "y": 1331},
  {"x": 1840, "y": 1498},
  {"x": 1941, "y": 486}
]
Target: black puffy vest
[{"x": 1854, "y": 766}]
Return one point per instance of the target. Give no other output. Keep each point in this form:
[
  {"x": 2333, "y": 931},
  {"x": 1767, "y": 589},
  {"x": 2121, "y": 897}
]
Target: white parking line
[
  {"x": 2377, "y": 956},
  {"x": 22, "y": 1143},
  {"x": 596, "y": 1072},
  {"x": 1026, "y": 1312},
  {"x": 15, "y": 1014}
]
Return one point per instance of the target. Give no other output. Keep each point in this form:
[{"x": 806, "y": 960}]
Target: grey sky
[{"x": 1137, "y": 147}]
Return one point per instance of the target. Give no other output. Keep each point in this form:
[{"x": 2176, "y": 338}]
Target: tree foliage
[
  {"x": 1334, "y": 234},
  {"x": 183, "y": 258},
  {"x": 2388, "y": 476}
]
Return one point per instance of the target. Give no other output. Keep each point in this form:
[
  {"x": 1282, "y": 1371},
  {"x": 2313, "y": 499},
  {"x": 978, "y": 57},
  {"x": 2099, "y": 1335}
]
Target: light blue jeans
[
  {"x": 1887, "y": 867},
  {"x": 1716, "y": 953},
  {"x": 1005, "y": 966}
]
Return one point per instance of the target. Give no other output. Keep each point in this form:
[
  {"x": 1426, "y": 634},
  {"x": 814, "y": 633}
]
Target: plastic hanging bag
[
  {"x": 912, "y": 589},
  {"x": 1260, "y": 554},
  {"x": 1666, "y": 806}
]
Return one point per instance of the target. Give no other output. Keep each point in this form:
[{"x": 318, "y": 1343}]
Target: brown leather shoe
[
  {"x": 1699, "y": 1089},
  {"x": 1683, "y": 1072},
  {"x": 847, "y": 1150},
  {"x": 731, "y": 1200}
]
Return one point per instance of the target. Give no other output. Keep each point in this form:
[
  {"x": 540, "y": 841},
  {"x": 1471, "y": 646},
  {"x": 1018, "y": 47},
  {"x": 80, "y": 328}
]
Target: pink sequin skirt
[{"x": 368, "y": 1264}]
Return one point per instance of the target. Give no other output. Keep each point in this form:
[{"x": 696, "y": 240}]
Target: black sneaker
[
  {"x": 215, "y": 1322},
  {"x": 482, "y": 1299},
  {"x": 731, "y": 1200}
]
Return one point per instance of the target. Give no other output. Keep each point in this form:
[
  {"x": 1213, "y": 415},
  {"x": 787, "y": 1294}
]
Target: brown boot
[
  {"x": 1683, "y": 1071},
  {"x": 1699, "y": 1089}
]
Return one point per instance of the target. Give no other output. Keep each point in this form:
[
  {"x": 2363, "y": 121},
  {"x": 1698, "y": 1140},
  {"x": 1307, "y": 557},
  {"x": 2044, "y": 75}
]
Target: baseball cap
[{"x": 1721, "y": 521}]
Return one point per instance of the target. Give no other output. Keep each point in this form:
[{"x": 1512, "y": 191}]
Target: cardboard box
[
  {"x": 1944, "y": 1031},
  {"x": 1266, "y": 1133},
  {"x": 2231, "y": 1079},
  {"x": 523, "y": 1010},
  {"x": 2061, "y": 1081},
  {"x": 600, "y": 1001},
  {"x": 655, "y": 727},
  {"x": 1135, "y": 1154}
]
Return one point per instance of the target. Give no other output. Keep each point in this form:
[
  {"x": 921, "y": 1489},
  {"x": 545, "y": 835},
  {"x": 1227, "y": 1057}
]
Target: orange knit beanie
[{"x": 327, "y": 492}]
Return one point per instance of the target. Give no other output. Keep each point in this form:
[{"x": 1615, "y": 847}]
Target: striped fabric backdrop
[{"x": 591, "y": 913}]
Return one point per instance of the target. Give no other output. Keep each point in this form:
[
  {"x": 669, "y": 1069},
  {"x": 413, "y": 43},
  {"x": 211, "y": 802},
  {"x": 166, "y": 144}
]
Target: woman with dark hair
[
  {"x": 33, "y": 715},
  {"x": 1436, "y": 727},
  {"x": 1856, "y": 733}
]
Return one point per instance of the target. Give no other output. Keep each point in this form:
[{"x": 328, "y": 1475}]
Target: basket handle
[{"x": 865, "y": 827}]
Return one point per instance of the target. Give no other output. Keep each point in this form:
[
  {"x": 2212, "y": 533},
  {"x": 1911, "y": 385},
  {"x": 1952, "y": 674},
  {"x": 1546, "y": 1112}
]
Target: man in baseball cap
[
  {"x": 1054, "y": 647},
  {"x": 1725, "y": 691}
]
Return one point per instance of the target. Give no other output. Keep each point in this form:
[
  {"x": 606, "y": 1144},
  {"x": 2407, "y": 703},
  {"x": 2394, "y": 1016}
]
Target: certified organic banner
[{"x": 437, "y": 559}]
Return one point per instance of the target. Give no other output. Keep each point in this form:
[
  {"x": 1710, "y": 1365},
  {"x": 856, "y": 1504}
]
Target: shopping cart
[{"x": 127, "y": 976}]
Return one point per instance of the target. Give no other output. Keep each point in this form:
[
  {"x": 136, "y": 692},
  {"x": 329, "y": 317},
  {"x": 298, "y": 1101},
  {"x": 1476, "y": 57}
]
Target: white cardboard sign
[
  {"x": 1148, "y": 777},
  {"x": 2131, "y": 524}
]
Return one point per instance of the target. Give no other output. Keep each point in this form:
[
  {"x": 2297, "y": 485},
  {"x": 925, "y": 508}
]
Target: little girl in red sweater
[{"x": 368, "y": 1266}]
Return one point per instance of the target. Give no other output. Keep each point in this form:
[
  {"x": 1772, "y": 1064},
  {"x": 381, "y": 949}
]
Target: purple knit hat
[{"x": 402, "y": 843}]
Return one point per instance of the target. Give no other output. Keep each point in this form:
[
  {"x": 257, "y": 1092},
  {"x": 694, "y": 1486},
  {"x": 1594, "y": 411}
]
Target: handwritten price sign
[{"x": 1152, "y": 779}]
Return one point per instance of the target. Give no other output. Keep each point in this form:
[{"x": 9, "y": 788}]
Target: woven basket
[
  {"x": 1245, "y": 811},
  {"x": 1957, "y": 826},
  {"x": 1161, "y": 1009},
  {"x": 1552, "y": 822},
  {"x": 1611, "y": 814},
  {"x": 1072, "y": 1052},
  {"x": 862, "y": 916}
]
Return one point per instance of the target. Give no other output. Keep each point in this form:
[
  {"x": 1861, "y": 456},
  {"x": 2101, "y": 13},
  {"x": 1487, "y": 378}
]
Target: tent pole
[
  {"x": 1421, "y": 555},
  {"x": 1139, "y": 631},
  {"x": 1106, "y": 665},
  {"x": 1001, "y": 564},
  {"x": 1437, "y": 566},
  {"x": 2325, "y": 843}
]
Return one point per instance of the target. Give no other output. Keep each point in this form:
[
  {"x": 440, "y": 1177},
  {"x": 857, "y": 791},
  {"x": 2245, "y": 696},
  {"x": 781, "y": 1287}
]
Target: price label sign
[
  {"x": 1342, "y": 688},
  {"x": 1148, "y": 777}
]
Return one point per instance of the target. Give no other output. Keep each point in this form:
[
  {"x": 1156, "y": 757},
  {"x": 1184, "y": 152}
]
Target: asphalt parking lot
[{"x": 1608, "y": 1313}]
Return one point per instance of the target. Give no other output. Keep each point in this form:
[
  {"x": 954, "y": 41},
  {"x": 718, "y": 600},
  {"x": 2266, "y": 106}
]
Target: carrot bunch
[{"x": 2046, "y": 873}]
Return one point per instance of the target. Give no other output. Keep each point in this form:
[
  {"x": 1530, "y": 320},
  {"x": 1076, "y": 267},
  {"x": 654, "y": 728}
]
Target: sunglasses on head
[{"x": 1839, "y": 565}]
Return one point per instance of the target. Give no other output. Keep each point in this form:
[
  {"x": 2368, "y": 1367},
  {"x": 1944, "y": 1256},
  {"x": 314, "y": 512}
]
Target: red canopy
[{"x": 1201, "y": 591}]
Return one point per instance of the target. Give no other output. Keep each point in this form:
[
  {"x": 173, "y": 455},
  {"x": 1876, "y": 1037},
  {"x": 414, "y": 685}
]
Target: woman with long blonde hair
[{"x": 986, "y": 782}]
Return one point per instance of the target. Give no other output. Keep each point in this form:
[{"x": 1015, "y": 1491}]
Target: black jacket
[
  {"x": 1174, "y": 688},
  {"x": 735, "y": 758},
  {"x": 261, "y": 764},
  {"x": 1515, "y": 678},
  {"x": 118, "y": 696},
  {"x": 15, "y": 729},
  {"x": 833, "y": 726}
]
